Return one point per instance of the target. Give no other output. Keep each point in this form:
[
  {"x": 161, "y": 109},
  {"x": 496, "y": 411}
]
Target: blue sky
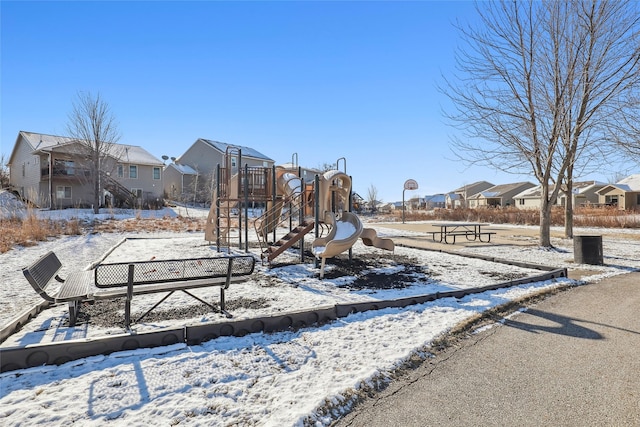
[{"x": 324, "y": 80}]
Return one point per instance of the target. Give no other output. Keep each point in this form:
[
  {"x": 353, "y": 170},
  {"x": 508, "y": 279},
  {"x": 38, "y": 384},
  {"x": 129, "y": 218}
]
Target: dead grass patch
[
  {"x": 31, "y": 230},
  {"x": 607, "y": 217}
]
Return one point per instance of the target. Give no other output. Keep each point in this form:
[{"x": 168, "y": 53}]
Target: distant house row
[
  {"x": 624, "y": 194},
  {"x": 51, "y": 171}
]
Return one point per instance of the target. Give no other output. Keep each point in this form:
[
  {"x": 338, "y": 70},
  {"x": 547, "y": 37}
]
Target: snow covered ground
[{"x": 304, "y": 377}]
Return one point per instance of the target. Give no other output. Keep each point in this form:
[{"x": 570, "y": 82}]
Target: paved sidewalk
[{"x": 572, "y": 359}]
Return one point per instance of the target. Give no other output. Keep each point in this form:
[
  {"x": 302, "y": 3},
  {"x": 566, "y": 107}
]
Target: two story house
[
  {"x": 459, "y": 198},
  {"x": 193, "y": 173},
  {"x": 51, "y": 171}
]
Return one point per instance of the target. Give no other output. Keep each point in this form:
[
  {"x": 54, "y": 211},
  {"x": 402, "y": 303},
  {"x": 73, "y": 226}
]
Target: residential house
[
  {"x": 530, "y": 198},
  {"x": 179, "y": 182},
  {"x": 434, "y": 201},
  {"x": 458, "y": 198},
  {"x": 204, "y": 156},
  {"x": 415, "y": 203},
  {"x": 51, "y": 171},
  {"x": 385, "y": 208},
  {"x": 498, "y": 195},
  {"x": 584, "y": 193},
  {"x": 624, "y": 194}
]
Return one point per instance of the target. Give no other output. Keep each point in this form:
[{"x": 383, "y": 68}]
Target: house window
[
  {"x": 120, "y": 171},
  {"x": 234, "y": 161},
  {"x": 64, "y": 167},
  {"x": 137, "y": 192},
  {"x": 156, "y": 173},
  {"x": 23, "y": 169},
  {"x": 133, "y": 171},
  {"x": 521, "y": 201},
  {"x": 63, "y": 192}
]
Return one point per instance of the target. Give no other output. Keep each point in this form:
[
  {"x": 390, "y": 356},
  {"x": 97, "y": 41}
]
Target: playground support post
[
  {"x": 274, "y": 198},
  {"x": 218, "y": 175},
  {"x": 301, "y": 206},
  {"x": 239, "y": 192},
  {"x": 245, "y": 185},
  {"x": 316, "y": 201}
]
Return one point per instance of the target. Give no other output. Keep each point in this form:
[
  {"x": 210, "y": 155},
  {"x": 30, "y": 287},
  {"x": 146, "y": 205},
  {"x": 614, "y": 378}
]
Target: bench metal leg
[{"x": 73, "y": 312}]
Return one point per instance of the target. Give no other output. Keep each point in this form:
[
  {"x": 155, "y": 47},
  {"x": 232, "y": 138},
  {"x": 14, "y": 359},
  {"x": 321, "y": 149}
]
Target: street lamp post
[{"x": 410, "y": 184}]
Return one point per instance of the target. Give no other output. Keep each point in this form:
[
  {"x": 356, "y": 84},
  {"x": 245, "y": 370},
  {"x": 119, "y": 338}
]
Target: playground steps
[{"x": 286, "y": 241}]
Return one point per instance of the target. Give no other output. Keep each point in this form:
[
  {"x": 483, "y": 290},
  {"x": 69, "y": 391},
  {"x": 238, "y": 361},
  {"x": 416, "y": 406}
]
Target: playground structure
[{"x": 293, "y": 208}]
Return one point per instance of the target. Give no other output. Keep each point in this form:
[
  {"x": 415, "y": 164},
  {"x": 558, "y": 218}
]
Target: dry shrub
[
  {"x": 25, "y": 232},
  {"x": 583, "y": 217},
  {"x": 608, "y": 217},
  {"x": 177, "y": 224}
]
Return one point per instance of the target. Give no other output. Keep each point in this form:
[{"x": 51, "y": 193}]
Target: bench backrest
[
  {"x": 40, "y": 273},
  {"x": 162, "y": 271}
]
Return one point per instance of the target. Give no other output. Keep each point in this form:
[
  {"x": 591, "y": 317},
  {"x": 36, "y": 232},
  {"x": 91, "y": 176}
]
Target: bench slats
[
  {"x": 40, "y": 273},
  {"x": 163, "y": 271},
  {"x": 77, "y": 286}
]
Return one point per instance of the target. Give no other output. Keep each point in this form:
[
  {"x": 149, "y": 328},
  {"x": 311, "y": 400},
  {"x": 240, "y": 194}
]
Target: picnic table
[{"x": 472, "y": 231}]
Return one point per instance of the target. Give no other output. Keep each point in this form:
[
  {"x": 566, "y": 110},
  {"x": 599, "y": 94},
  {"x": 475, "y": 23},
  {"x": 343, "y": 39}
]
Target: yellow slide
[{"x": 344, "y": 233}]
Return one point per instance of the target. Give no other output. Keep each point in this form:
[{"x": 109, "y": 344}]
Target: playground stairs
[{"x": 286, "y": 241}]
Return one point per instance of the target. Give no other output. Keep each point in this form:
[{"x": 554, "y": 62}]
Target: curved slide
[
  {"x": 344, "y": 233},
  {"x": 370, "y": 238}
]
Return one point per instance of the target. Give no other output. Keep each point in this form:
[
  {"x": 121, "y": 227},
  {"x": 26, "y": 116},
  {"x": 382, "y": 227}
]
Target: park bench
[{"x": 126, "y": 279}]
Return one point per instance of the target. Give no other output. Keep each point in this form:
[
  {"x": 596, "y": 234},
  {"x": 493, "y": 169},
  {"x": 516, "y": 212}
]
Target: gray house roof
[
  {"x": 578, "y": 188},
  {"x": 629, "y": 184},
  {"x": 125, "y": 153},
  {"x": 183, "y": 169},
  {"x": 246, "y": 151},
  {"x": 473, "y": 188},
  {"x": 500, "y": 190}
]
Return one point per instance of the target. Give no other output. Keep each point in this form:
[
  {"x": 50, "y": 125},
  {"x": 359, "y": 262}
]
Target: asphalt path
[{"x": 572, "y": 359}]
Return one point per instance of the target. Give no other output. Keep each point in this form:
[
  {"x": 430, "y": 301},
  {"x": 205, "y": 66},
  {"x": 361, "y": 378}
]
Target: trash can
[{"x": 587, "y": 250}]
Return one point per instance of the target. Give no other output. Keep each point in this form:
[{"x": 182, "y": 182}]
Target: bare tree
[
  {"x": 372, "y": 197},
  {"x": 325, "y": 167},
  {"x": 601, "y": 56},
  {"x": 539, "y": 86},
  {"x": 93, "y": 125}
]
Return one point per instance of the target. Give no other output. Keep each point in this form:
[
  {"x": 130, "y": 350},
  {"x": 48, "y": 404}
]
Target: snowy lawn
[{"x": 304, "y": 377}]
